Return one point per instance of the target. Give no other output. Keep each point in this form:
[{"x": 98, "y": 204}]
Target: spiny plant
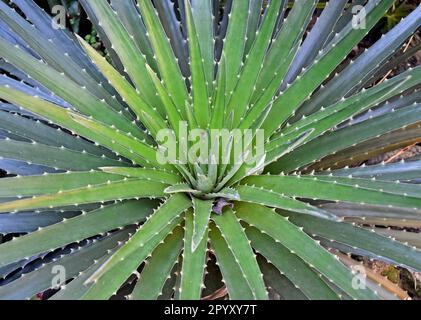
[{"x": 85, "y": 200}]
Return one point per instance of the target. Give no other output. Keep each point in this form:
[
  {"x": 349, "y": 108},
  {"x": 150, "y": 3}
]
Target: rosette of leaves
[{"x": 87, "y": 210}]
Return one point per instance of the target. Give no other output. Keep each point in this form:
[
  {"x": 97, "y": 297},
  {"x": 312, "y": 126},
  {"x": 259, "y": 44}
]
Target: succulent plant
[{"x": 88, "y": 211}]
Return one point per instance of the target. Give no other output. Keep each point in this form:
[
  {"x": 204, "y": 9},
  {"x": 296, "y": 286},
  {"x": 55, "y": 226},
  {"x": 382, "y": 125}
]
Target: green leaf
[
  {"x": 118, "y": 268},
  {"x": 67, "y": 119},
  {"x": 311, "y": 187},
  {"x": 158, "y": 267},
  {"x": 276, "y": 200},
  {"x": 181, "y": 188},
  {"x": 234, "y": 43},
  {"x": 168, "y": 67},
  {"x": 118, "y": 190},
  {"x": 132, "y": 21},
  {"x": 226, "y": 193},
  {"x": 219, "y": 111},
  {"x": 177, "y": 279},
  {"x": 34, "y": 130},
  {"x": 129, "y": 94},
  {"x": 51, "y": 183},
  {"x": 238, "y": 243},
  {"x": 381, "y": 247},
  {"x": 400, "y": 57},
  {"x": 194, "y": 261},
  {"x": 169, "y": 286},
  {"x": 76, "y": 289},
  {"x": 63, "y": 54},
  {"x": 375, "y": 215},
  {"x": 329, "y": 118},
  {"x": 43, "y": 278},
  {"x": 237, "y": 285},
  {"x": 285, "y": 105},
  {"x": 201, "y": 216},
  {"x": 349, "y": 136},
  {"x": 135, "y": 146},
  {"x": 131, "y": 57},
  {"x": 198, "y": 77},
  {"x": 75, "y": 229},
  {"x": 78, "y": 96},
  {"x": 255, "y": 12},
  {"x": 404, "y": 189},
  {"x": 290, "y": 265},
  {"x": 144, "y": 173},
  {"x": 53, "y": 157},
  {"x": 175, "y": 31},
  {"x": 275, "y": 280},
  {"x": 408, "y": 238},
  {"x": 360, "y": 70},
  {"x": 26, "y": 222},
  {"x": 204, "y": 25},
  {"x": 369, "y": 149},
  {"x": 261, "y": 162},
  {"x": 316, "y": 39},
  {"x": 173, "y": 113},
  {"x": 279, "y": 58},
  {"x": 402, "y": 171},
  {"x": 297, "y": 242},
  {"x": 247, "y": 79}
]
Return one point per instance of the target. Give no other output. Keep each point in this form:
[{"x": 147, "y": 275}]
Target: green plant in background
[
  {"x": 398, "y": 11},
  {"x": 96, "y": 43},
  {"x": 93, "y": 39},
  {"x": 95, "y": 209}
]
